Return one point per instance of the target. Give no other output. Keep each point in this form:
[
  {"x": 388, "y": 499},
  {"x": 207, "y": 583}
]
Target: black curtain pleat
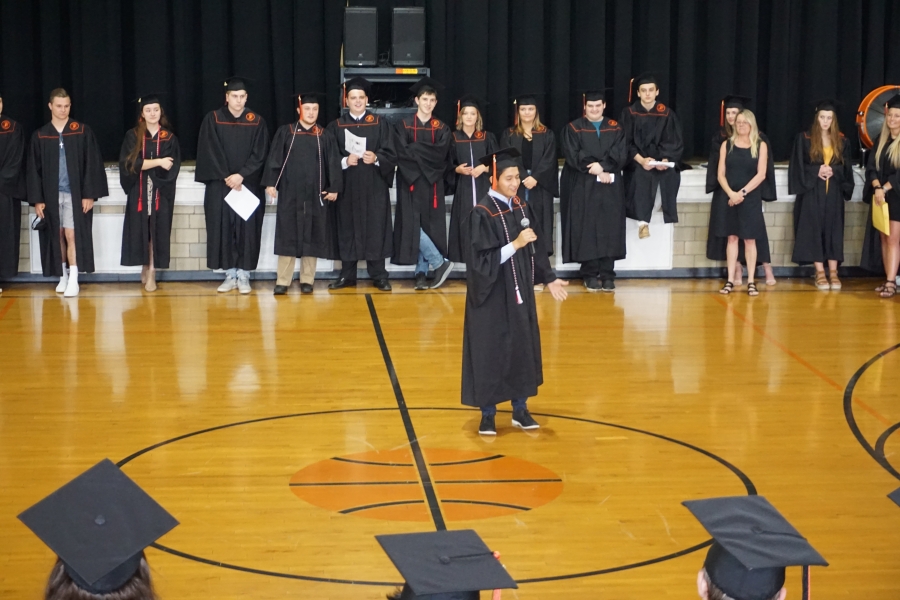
[{"x": 783, "y": 53}]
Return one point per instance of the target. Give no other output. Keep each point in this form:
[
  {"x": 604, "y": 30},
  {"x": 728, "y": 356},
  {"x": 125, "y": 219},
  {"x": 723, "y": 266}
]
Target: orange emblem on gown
[
  {"x": 613, "y": 123},
  {"x": 370, "y": 118},
  {"x": 73, "y": 125},
  {"x": 435, "y": 123},
  {"x": 479, "y": 135},
  {"x": 163, "y": 134},
  {"x": 4, "y": 125},
  {"x": 660, "y": 107},
  {"x": 251, "y": 117}
]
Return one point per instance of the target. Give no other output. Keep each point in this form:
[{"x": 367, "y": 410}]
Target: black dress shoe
[
  {"x": 487, "y": 426},
  {"x": 421, "y": 284},
  {"x": 341, "y": 283},
  {"x": 609, "y": 285},
  {"x": 591, "y": 284},
  {"x": 280, "y": 290},
  {"x": 306, "y": 288},
  {"x": 383, "y": 284}
]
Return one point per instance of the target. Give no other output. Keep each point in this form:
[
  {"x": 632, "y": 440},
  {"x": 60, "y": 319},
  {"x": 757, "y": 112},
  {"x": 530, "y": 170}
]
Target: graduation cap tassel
[
  {"x": 722, "y": 115},
  {"x": 516, "y": 118},
  {"x": 494, "y": 178},
  {"x": 630, "y": 86},
  {"x": 584, "y": 105},
  {"x": 457, "y": 111}
]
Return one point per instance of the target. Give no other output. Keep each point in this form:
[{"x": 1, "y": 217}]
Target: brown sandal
[
  {"x": 835, "y": 282},
  {"x": 822, "y": 281},
  {"x": 727, "y": 288},
  {"x": 890, "y": 288},
  {"x": 751, "y": 289}
]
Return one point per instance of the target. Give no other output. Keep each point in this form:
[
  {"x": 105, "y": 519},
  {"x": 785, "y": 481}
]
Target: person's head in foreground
[
  {"x": 444, "y": 565},
  {"x": 98, "y": 525},
  {"x": 753, "y": 544}
]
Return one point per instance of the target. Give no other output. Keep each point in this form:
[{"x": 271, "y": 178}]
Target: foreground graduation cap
[
  {"x": 895, "y": 495},
  {"x": 732, "y": 101},
  {"x": 434, "y": 84},
  {"x": 99, "y": 524},
  {"x": 753, "y": 545},
  {"x": 444, "y": 564},
  {"x": 500, "y": 161}
]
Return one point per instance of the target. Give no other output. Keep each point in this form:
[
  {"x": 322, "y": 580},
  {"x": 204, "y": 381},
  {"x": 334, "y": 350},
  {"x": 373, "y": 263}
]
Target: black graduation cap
[
  {"x": 148, "y": 98},
  {"x": 732, "y": 101},
  {"x": 500, "y": 161},
  {"x": 444, "y": 562},
  {"x": 525, "y": 99},
  {"x": 236, "y": 83},
  {"x": 99, "y": 524},
  {"x": 357, "y": 83},
  {"x": 594, "y": 94},
  {"x": 753, "y": 545},
  {"x": 434, "y": 84},
  {"x": 471, "y": 100},
  {"x": 895, "y": 495},
  {"x": 893, "y": 102},
  {"x": 827, "y": 104},
  {"x": 637, "y": 82},
  {"x": 309, "y": 98}
]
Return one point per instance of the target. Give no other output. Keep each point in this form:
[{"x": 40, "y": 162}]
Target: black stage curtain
[{"x": 783, "y": 53}]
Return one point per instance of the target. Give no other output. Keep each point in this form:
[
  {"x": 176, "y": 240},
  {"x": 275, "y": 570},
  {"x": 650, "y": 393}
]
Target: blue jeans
[
  {"x": 491, "y": 410},
  {"x": 429, "y": 255}
]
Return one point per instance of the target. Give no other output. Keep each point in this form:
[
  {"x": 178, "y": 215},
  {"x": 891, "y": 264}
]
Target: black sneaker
[
  {"x": 522, "y": 419},
  {"x": 420, "y": 282},
  {"x": 591, "y": 284},
  {"x": 487, "y": 426},
  {"x": 609, "y": 285},
  {"x": 441, "y": 274}
]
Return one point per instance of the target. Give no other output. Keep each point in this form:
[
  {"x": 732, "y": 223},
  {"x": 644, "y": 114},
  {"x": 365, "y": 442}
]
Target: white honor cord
[
  {"x": 512, "y": 259},
  {"x": 294, "y": 132},
  {"x": 291, "y": 147}
]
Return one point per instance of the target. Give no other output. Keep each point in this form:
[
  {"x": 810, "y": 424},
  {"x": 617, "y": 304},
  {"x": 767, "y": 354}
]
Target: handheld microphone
[{"x": 525, "y": 223}]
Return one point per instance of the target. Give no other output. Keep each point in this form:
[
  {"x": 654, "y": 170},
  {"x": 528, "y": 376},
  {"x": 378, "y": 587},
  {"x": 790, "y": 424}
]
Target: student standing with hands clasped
[{"x": 883, "y": 175}]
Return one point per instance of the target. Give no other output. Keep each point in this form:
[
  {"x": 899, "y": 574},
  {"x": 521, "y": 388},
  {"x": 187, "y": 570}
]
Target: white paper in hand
[
  {"x": 612, "y": 178},
  {"x": 662, "y": 163},
  {"x": 242, "y": 202},
  {"x": 354, "y": 144}
]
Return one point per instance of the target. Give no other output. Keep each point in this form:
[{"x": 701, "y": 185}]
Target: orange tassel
[
  {"x": 722, "y": 115},
  {"x": 345, "y": 94},
  {"x": 494, "y": 179},
  {"x": 583, "y": 105},
  {"x": 516, "y": 109},
  {"x": 457, "y": 111},
  {"x": 630, "y": 87}
]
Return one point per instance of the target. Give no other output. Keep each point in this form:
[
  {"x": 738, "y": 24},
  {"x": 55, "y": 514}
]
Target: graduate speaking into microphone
[{"x": 507, "y": 257}]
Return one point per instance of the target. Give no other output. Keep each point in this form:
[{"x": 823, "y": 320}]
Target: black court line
[
  {"x": 419, "y": 458},
  {"x": 851, "y": 418},
  {"x": 484, "y": 503},
  {"x": 467, "y": 462},
  {"x": 370, "y": 462},
  {"x": 354, "y": 509},
  {"x": 502, "y": 481},
  {"x": 883, "y": 438},
  {"x": 352, "y": 483}
]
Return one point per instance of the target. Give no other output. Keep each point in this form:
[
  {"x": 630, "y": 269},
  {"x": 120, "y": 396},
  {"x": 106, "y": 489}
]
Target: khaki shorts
[{"x": 66, "y": 218}]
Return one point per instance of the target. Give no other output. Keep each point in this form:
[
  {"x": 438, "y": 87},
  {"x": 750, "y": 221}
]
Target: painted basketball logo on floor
[{"x": 385, "y": 485}]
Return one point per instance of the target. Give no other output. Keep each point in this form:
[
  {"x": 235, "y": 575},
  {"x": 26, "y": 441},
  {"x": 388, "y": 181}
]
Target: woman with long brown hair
[
  {"x": 538, "y": 165},
  {"x": 743, "y": 162},
  {"x": 883, "y": 177},
  {"x": 821, "y": 175},
  {"x": 148, "y": 167}
]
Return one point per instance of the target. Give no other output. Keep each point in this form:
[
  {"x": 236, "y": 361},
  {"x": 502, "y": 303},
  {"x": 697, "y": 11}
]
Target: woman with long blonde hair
[
  {"x": 469, "y": 144},
  {"x": 883, "y": 176},
  {"x": 743, "y": 163},
  {"x": 538, "y": 165},
  {"x": 821, "y": 176},
  {"x": 148, "y": 167}
]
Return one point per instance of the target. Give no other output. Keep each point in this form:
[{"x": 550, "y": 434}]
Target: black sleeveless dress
[{"x": 746, "y": 219}]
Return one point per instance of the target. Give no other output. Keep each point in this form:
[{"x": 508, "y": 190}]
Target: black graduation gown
[
  {"x": 871, "y": 259},
  {"x": 716, "y": 246},
  {"x": 545, "y": 169},
  {"x": 87, "y": 179},
  {"x": 363, "y": 208},
  {"x": 467, "y": 150},
  {"x": 304, "y": 225},
  {"x": 12, "y": 192},
  {"x": 818, "y": 213},
  {"x": 229, "y": 145},
  {"x": 149, "y": 217},
  {"x": 655, "y": 133},
  {"x": 593, "y": 213},
  {"x": 501, "y": 340},
  {"x": 422, "y": 158}
]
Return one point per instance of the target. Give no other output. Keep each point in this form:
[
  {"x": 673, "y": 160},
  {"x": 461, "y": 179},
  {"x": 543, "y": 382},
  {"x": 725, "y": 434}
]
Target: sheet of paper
[
  {"x": 881, "y": 219},
  {"x": 242, "y": 202},
  {"x": 665, "y": 163},
  {"x": 612, "y": 178},
  {"x": 354, "y": 144}
]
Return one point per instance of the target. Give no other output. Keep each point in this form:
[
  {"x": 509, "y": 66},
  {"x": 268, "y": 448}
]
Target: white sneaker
[
  {"x": 243, "y": 284},
  {"x": 72, "y": 288},
  {"x": 63, "y": 282},
  {"x": 229, "y": 284}
]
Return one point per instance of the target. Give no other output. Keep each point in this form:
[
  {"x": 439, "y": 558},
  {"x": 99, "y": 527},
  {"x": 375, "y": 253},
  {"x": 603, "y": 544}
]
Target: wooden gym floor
[{"x": 284, "y": 433}]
